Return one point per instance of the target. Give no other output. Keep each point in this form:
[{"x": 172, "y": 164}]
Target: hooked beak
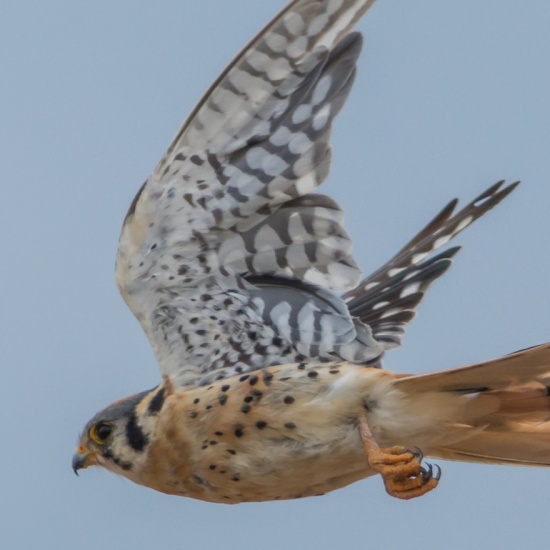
[{"x": 82, "y": 459}]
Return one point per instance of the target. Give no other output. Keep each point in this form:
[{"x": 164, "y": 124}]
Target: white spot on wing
[
  {"x": 417, "y": 258},
  {"x": 464, "y": 223},
  {"x": 395, "y": 271},
  {"x": 321, "y": 90},
  {"x": 317, "y": 24},
  {"x": 441, "y": 241},
  {"x": 301, "y": 113},
  {"x": 413, "y": 288},
  {"x": 299, "y": 143},
  {"x": 280, "y": 316},
  {"x": 297, "y": 48},
  {"x": 276, "y": 42},
  {"x": 321, "y": 118},
  {"x": 294, "y": 23}
]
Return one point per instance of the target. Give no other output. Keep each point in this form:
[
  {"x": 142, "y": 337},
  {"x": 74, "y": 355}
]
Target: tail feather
[
  {"x": 521, "y": 367},
  {"x": 504, "y": 412},
  {"x": 521, "y": 445}
]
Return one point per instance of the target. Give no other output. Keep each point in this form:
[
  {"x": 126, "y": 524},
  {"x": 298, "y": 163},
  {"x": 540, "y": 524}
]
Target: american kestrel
[{"x": 269, "y": 344}]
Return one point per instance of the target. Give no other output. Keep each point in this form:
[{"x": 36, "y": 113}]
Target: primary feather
[{"x": 228, "y": 259}]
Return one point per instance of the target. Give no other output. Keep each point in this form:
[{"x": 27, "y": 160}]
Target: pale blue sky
[{"x": 450, "y": 97}]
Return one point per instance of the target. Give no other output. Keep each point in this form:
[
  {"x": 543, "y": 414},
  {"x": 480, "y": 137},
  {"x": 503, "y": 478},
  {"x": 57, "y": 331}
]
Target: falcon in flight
[{"x": 269, "y": 342}]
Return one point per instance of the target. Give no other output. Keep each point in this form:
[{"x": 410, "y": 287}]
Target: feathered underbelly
[
  {"x": 269, "y": 468},
  {"x": 283, "y": 432}
]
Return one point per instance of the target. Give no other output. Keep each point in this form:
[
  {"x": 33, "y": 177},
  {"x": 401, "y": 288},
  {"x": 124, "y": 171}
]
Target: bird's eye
[{"x": 100, "y": 432}]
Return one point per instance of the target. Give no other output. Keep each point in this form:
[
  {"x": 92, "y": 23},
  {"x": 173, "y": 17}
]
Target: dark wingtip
[{"x": 494, "y": 194}]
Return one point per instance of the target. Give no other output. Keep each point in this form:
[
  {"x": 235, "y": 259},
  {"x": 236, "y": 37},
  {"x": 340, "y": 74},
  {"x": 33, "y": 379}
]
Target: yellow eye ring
[{"x": 101, "y": 432}]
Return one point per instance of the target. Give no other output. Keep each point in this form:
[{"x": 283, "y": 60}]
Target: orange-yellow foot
[{"x": 401, "y": 469}]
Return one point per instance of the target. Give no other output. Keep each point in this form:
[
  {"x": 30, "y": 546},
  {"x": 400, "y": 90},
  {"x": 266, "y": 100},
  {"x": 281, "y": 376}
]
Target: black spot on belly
[{"x": 288, "y": 399}]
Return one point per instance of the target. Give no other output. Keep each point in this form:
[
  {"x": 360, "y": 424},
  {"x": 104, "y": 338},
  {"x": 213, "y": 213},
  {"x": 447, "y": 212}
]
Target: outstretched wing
[
  {"x": 386, "y": 300},
  {"x": 231, "y": 199}
]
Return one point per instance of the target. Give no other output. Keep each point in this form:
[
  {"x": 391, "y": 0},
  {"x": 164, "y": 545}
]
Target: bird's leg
[{"x": 401, "y": 469}]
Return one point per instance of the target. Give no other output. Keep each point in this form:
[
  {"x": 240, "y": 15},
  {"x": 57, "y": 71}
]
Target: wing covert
[
  {"x": 229, "y": 260},
  {"x": 232, "y": 196}
]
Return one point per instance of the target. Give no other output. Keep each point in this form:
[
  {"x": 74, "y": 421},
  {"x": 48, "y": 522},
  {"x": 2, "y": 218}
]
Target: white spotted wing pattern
[
  {"x": 386, "y": 299},
  {"x": 228, "y": 259}
]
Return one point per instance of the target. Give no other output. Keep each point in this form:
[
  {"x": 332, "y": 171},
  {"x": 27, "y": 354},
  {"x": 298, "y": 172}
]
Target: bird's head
[{"x": 114, "y": 438}]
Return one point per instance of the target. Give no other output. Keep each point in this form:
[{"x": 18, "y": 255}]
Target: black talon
[
  {"x": 427, "y": 473},
  {"x": 417, "y": 453},
  {"x": 437, "y": 476}
]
